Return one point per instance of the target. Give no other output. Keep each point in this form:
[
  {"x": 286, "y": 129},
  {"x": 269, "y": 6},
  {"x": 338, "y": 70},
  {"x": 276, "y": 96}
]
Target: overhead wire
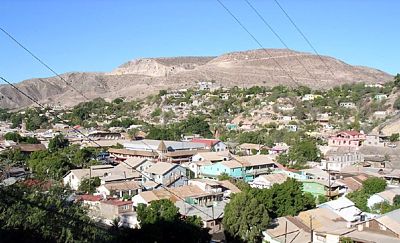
[
  {"x": 87, "y": 137},
  {"x": 41, "y": 61},
  {"x": 279, "y": 37},
  {"x": 292, "y": 79},
  {"x": 304, "y": 37}
]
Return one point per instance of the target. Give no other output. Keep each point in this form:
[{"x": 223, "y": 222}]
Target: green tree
[
  {"x": 13, "y": 136},
  {"x": 374, "y": 185},
  {"x": 29, "y": 213},
  {"x": 161, "y": 222},
  {"x": 89, "y": 185},
  {"x": 224, "y": 176},
  {"x": 245, "y": 217},
  {"x": 394, "y": 137},
  {"x": 396, "y": 103},
  {"x": 58, "y": 142},
  {"x": 161, "y": 210}
]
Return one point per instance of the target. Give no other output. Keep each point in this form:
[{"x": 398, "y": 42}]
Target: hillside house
[
  {"x": 348, "y": 105},
  {"x": 341, "y": 157},
  {"x": 167, "y": 174},
  {"x": 380, "y": 97},
  {"x": 267, "y": 181},
  {"x": 246, "y": 167},
  {"x": 386, "y": 196},
  {"x": 346, "y": 138},
  {"x": 211, "y": 144},
  {"x": 120, "y": 189}
]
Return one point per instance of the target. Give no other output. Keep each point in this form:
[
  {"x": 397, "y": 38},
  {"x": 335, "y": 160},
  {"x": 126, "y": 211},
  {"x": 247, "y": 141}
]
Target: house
[
  {"x": 205, "y": 85},
  {"x": 353, "y": 182},
  {"x": 214, "y": 186},
  {"x": 251, "y": 148},
  {"x": 309, "y": 97},
  {"x": 203, "y": 158},
  {"x": 345, "y": 209},
  {"x": 29, "y": 148},
  {"x": 106, "y": 173},
  {"x": 346, "y": 138},
  {"x": 123, "y": 154},
  {"x": 292, "y": 127},
  {"x": 279, "y": 148},
  {"x": 267, "y": 181},
  {"x": 210, "y": 215},
  {"x": 377, "y": 85},
  {"x": 348, "y": 105},
  {"x": 338, "y": 158},
  {"x": 171, "y": 151},
  {"x": 211, "y": 144},
  {"x": 386, "y": 225},
  {"x": 120, "y": 189},
  {"x": 190, "y": 193},
  {"x": 104, "y": 135},
  {"x": 137, "y": 163},
  {"x": 245, "y": 167},
  {"x": 373, "y": 140},
  {"x": 167, "y": 174},
  {"x": 386, "y": 196},
  {"x": 112, "y": 209},
  {"x": 380, "y": 97},
  {"x": 316, "y": 225}
]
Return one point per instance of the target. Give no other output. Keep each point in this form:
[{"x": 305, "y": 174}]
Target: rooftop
[{"x": 161, "y": 168}]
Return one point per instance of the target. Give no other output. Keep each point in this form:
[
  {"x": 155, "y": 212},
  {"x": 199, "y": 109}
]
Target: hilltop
[{"x": 141, "y": 77}]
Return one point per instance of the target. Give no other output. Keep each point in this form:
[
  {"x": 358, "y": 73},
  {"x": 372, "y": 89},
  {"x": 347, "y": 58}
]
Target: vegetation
[
  {"x": 161, "y": 222},
  {"x": 14, "y": 136},
  {"x": 249, "y": 212},
  {"x": 29, "y": 215},
  {"x": 89, "y": 185},
  {"x": 370, "y": 186}
]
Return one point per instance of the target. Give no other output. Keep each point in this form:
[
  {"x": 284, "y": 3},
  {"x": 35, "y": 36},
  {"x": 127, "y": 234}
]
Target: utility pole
[
  {"x": 285, "y": 231},
  {"x": 312, "y": 231}
]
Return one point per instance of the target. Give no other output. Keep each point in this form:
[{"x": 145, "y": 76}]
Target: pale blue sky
[{"x": 78, "y": 35}]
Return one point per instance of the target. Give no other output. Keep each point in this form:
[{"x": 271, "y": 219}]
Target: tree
[
  {"x": 161, "y": 222},
  {"x": 396, "y": 103},
  {"x": 245, "y": 217},
  {"x": 89, "y": 185},
  {"x": 397, "y": 80},
  {"x": 58, "y": 142},
  {"x": 224, "y": 176},
  {"x": 249, "y": 212},
  {"x": 394, "y": 137},
  {"x": 161, "y": 210},
  {"x": 13, "y": 136},
  {"x": 374, "y": 185},
  {"x": 30, "y": 215}
]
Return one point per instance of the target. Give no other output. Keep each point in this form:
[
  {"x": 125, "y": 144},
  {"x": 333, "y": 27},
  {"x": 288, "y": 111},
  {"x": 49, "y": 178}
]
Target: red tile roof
[
  {"x": 92, "y": 198},
  {"x": 117, "y": 202},
  {"x": 207, "y": 142}
]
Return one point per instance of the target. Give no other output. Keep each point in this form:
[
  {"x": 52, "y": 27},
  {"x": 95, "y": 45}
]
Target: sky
[{"x": 88, "y": 35}]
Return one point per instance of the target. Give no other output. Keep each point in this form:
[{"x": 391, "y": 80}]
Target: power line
[
  {"x": 41, "y": 61},
  {"x": 278, "y": 36},
  {"x": 304, "y": 37},
  {"x": 258, "y": 42},
  {"x": 91, "y": 140}
]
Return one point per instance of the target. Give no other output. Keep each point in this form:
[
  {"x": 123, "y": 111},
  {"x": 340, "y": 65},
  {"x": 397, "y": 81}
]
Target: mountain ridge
[{"x": 140, "y": 77}]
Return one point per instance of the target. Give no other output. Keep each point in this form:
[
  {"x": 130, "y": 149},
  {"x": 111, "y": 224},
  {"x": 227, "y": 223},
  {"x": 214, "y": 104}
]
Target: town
[{"x": 215, "y": 164}]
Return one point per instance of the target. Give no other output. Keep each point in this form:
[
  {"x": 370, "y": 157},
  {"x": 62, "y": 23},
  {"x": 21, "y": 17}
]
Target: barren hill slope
[{"x": 141, "y": 77}]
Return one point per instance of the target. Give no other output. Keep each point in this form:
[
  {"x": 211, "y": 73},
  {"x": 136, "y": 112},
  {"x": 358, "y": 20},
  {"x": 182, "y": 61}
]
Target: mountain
[{"x": 141, "y": 77}]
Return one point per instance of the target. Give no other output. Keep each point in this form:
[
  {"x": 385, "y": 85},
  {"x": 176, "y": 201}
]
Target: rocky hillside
[{"x": 141, "y": 77}]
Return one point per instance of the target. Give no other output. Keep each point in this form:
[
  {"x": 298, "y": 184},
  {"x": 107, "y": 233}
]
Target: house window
[{"x": 72, "y": 177}]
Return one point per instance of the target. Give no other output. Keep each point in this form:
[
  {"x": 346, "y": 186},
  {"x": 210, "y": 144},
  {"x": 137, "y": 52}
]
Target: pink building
[{"x": 346, "y": 138}]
